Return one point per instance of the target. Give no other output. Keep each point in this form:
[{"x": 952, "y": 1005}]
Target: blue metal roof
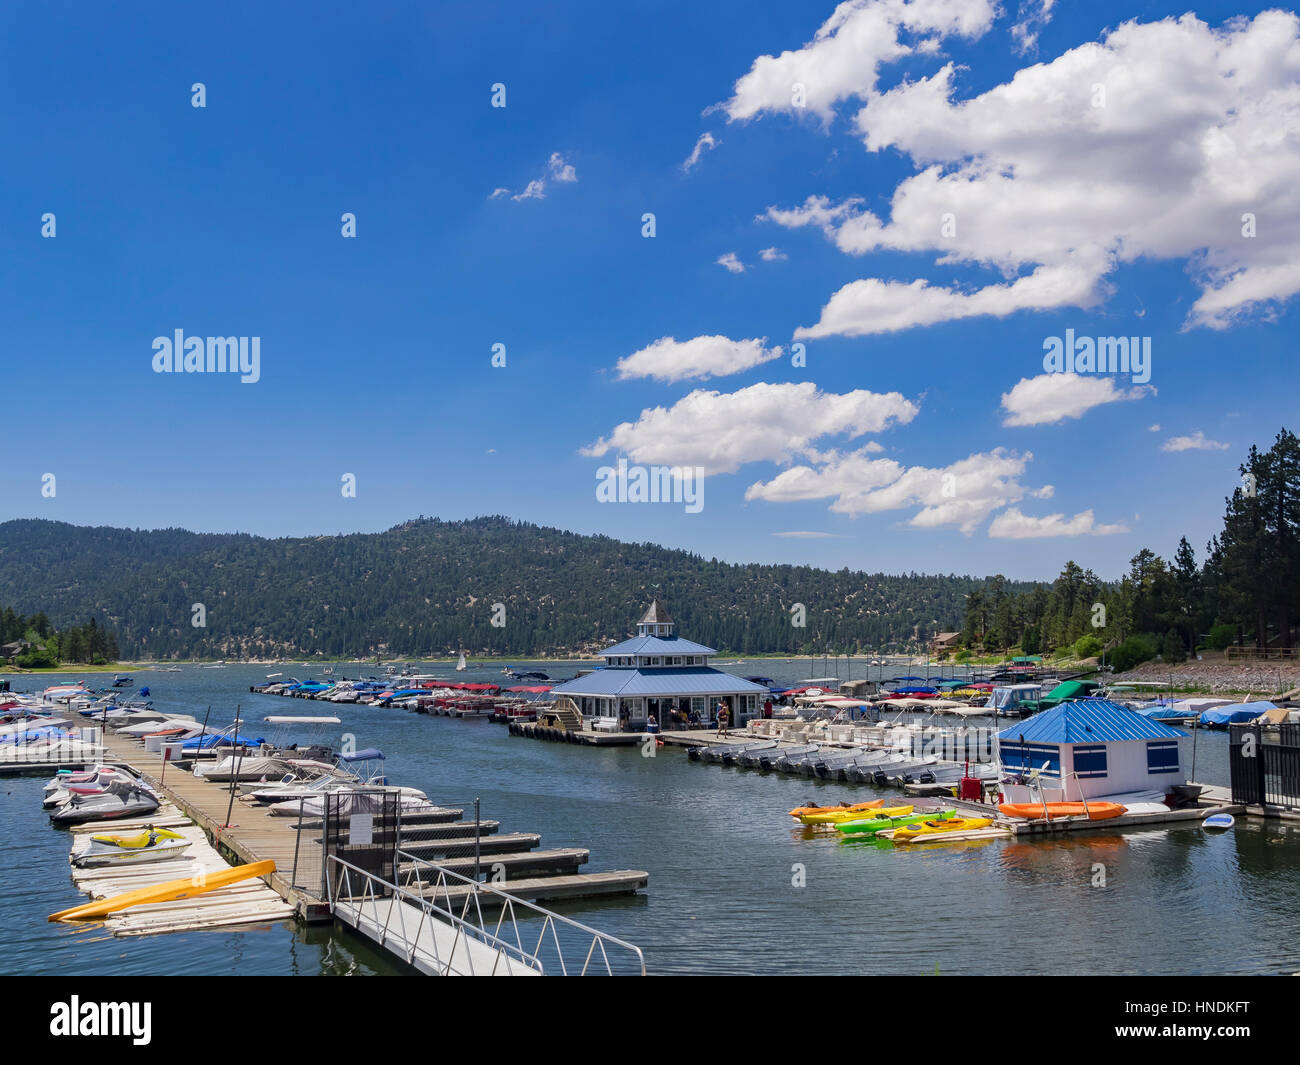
[
  {"x": 1088, "y": 721},
  {"x": 658, "y": 645},
  {"x": 692, "y": 680}
]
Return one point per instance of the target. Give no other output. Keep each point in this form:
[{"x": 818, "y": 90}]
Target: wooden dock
[{"x": 438, "y": 836}]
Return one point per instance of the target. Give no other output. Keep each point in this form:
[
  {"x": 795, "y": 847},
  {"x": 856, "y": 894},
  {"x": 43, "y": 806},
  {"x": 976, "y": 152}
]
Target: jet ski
[
  {"x": 95, "y": 782},
  {"x": 119, "y": 800},
  {"x": 151, "y": 845}
]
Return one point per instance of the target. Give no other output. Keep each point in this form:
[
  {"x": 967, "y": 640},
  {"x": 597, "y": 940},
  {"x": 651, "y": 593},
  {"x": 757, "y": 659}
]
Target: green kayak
[{"x": 879, "y": 824}]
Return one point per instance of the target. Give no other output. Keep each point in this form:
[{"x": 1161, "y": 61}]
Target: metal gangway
[{"x": 434, "y": 919}]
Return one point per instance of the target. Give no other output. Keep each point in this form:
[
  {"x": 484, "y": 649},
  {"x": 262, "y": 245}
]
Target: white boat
[
  {"x": 409, "y": 799},
  {"x": 460, "y": 663}
]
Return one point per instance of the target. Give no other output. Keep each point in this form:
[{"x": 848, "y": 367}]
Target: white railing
[
  {"x": 370, "y": 896},
  {"x": 559, "y": 940}
]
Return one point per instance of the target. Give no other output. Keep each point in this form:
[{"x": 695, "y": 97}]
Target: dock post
[{"x": 478, "y": 832}]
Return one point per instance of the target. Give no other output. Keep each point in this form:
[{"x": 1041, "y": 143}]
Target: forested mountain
[{"x": 429, "y": 587}]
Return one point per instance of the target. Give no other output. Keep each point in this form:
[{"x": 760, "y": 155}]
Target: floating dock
[{"x": 437, "y": 835}]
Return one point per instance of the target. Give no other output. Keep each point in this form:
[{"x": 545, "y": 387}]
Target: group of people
[{"x": 691, "y": 719}]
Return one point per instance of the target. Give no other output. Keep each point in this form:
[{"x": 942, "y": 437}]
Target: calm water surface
[{"x": 724, "y": 863}]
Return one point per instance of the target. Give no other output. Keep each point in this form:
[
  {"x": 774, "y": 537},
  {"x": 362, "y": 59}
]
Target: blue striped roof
[
  {"x": 1088, "y": 721},
  {"x": 692, "y": 680},
  {"x": 658, "y": 645}
]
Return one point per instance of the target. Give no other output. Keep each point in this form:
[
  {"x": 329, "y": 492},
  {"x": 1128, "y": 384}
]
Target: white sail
[{"x": 460, "y": 665}]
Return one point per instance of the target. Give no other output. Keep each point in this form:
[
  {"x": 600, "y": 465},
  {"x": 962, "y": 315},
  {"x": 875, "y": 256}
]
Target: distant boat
[
  {"x": 121, "y": 680},
  {"x": 460, "y": 663}
]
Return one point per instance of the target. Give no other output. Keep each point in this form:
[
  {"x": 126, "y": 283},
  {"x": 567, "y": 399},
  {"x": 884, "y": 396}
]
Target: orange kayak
[
  {"x": 1034, "y": 811},
  {"x": 801, "y": 811}
]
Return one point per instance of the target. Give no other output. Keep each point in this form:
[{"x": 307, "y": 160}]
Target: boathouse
[
  {"x": 1089, "y": 748},
  {"x": 658, "y": 672}
]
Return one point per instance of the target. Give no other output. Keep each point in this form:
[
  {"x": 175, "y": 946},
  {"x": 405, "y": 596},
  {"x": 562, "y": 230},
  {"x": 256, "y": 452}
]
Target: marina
[{"x": 672, "y": 800}]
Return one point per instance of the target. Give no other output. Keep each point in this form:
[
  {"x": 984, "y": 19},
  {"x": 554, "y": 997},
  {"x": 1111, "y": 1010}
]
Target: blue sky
[{"x": 902, "y": 444}]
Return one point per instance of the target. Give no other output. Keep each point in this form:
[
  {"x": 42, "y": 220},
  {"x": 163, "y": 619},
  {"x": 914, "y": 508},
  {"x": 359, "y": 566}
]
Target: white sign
[{"x": 361, "y": 829}]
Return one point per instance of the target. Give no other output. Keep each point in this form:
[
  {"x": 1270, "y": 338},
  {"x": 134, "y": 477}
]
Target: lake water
[{"x": 724, "y": 861}]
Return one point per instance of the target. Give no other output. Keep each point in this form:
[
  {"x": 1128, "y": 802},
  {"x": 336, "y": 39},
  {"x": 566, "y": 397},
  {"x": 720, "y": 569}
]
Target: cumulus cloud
[
  {"x": 764, "y": 422},
  {"x": 772, "y": 255},
  {"x": 842, "y": 58},
  {"x": 1054, "y": 397},
  {"x": 962, "y": 494},
  {"x": 1171, "y": 140},
  {"x": 733, "y": 265},
  {"x": 557, "y": 170},
  {"x": 1011, "y": 524},
  {"x": 1196, "y": 442},
  {"x": 1030, "y": 20},
  {"x": 671, "y": 360},
  {"x": 534, "y": 190},
  {"x": 560, "y": 170},
  {"x": 707, "y": 142}
]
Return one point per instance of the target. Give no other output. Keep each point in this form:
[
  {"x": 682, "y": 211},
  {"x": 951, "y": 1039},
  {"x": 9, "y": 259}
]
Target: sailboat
[{"x": 460, "y": 663}]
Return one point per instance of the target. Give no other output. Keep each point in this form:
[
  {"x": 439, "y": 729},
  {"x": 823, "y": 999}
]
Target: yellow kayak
[
  {"x": 185, "y": 888},
  {"x": 952, "y": 824},
  {"x": 835, "y": 817}
]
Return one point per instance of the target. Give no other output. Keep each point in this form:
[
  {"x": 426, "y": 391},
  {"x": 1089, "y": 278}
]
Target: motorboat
[
  {"x": 768, "y": 759},
  {"x": 410, "y": 800},
  {"x": 291, "y": 787},
  {"x": 242, "y": 767},
  {"x": 151, "y": 845},
  {"x": 119, "y": 800}
]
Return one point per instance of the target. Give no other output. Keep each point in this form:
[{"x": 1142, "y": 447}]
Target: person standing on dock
[{"x": 722, "y": 719}]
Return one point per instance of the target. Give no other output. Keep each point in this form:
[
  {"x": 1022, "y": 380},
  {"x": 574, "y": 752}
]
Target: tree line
[
  {"x": 90, "y": 643},
  {"x": 1246, "y": 591}
]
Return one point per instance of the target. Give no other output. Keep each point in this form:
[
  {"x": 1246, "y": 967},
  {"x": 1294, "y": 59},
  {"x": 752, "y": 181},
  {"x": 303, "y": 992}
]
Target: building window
[
  {"x": 1028, "y": 757},
  {"x": 1090, "y": 761},
  {"x": 697, "y": 704},
  {"x": 1162, "y": 756}
]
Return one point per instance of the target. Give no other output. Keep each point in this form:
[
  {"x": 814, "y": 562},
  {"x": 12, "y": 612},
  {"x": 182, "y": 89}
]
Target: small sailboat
[{"x": 460, "y": 663}]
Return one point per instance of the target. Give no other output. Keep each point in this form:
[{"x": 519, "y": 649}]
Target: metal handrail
[
  {"x": 511, "y": 955},
  {"x": 443, "y": 879}
]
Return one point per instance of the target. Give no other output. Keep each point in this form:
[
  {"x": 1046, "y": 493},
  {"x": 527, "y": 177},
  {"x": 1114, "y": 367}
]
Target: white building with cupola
[{"x": 659, "y": 673}]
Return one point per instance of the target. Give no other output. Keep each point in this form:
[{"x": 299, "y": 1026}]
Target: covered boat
[{"x": 1233, "y": 714}]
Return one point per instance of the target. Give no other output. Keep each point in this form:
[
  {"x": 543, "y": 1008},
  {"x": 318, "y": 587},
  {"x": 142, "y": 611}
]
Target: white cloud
[
  {"x": 1191, "y": 157},
  {"x": 1053, "y": 397},
  {"x": 1031, "y": 18},
  {"x": 961, "y": 494},
  {"x": 700, "y": 357},
  {"x": 707, "y": 142},
  {"x": 1011, "y": 524},
  {"x": 556, "y": 170},
  {"x": 1153, "y": 428},
  {"x": 806, "y": 535},
  {"x": 762, "y": 423},
  {"x": 842, "y": 58},
  {"x": 535, "y": 190},
  {"x": 772, "y": 255},
  {"x": 733, "y": 265},
  {"x": 560, "y": 170},
  {"x": 1196, "y": 442}
]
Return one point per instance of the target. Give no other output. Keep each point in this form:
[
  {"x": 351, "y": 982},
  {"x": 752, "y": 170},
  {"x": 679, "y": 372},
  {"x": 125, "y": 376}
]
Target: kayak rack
[{"x": 435, "y": 920}]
